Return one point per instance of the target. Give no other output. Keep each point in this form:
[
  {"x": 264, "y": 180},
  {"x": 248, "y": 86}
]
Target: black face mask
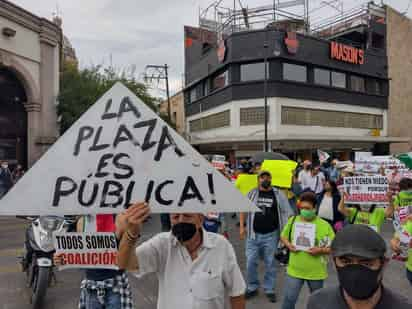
[
  {"x": 358, "y": 281},
  {"x": 266, "y": 184},
  {"x": 184, "y": 231}
]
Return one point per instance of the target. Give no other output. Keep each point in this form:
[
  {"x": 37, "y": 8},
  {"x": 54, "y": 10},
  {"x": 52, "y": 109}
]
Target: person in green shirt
[
  {"x": 308, "y": 266},
  {"x": 402, "y": 203},
  {"x": 367, "y": 214}
]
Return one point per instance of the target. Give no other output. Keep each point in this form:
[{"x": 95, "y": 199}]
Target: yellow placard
[
  {"x": 246, "y": 183},
  {"x": 281, "y": 170}
]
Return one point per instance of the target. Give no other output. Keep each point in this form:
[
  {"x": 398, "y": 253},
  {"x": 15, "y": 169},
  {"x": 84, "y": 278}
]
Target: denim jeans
[
  {"x": 409, "y": 275},
  {"x": 293, "y": 287},
  {"x": 111, "y": 300},
  {"x": 263, "y": 246}
]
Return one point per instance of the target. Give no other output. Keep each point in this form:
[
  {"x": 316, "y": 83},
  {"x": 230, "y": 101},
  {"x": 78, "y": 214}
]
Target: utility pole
[
  {"x": 159, "y": 72},
  {"x": 265, "y": 88}
]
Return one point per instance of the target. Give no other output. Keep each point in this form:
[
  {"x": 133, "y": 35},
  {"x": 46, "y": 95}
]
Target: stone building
[
  {"x": 399, "y": 46},
  {"x": 177, "y": 110},
  {"x": 30, "y": 49}
]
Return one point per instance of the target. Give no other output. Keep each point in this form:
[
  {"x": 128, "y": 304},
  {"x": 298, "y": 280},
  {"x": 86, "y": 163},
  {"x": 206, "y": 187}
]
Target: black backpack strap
[
  {"x": 354, "y": 217},
  {"x": 291, "y": 226}
]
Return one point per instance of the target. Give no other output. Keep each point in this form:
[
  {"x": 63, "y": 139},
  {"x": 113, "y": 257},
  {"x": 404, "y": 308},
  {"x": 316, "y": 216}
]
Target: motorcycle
[{"x": 37, "y": 262}]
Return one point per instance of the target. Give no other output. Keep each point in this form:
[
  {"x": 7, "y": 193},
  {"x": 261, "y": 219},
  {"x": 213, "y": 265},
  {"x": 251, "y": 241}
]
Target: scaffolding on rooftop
[{"x": 287, "y": 15}]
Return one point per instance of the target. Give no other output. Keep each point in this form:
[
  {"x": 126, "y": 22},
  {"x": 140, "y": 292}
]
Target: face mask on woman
[{"x": 308, "y": 214}]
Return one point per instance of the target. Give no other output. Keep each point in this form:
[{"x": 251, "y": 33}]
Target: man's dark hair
[{"x": 308, "y": 196}]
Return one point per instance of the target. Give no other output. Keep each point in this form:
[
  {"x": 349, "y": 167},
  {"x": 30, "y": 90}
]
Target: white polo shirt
[{"x": 205, "y": 283}]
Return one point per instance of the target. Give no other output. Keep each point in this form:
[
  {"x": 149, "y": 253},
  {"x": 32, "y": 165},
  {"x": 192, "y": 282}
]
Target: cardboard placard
[
  {"x": 366, "y": 190},
  {"x": 281, "y": 171},
  {"x": 120, "y": 152},
  {"x": 87, "y": 250}
]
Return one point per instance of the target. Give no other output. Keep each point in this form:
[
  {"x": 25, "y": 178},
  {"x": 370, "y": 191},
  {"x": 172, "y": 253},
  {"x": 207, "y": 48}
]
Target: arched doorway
[{"x": 13, "y": 119}]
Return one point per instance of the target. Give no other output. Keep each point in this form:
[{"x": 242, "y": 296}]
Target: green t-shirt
[
  {"x": 374, "y": 219},
  {"x": 302, "y": 265},
  {"x": 404, "y": 198}
]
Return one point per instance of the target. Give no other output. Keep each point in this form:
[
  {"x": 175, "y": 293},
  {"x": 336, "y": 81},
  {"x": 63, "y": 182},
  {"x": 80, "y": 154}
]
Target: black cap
[{"x": 358, "y": 240}]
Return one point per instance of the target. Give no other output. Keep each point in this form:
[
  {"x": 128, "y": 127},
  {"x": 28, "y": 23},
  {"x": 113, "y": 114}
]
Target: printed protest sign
[
  {"x": 373, "y": 164},
  {"x": 117, "y": 153},
  {"x": 366, "y": 190},
  {"x": 304, "y": 236},
  {"x": 246, "y": 183},
  {"x": 87, "y": 250},
  {"x": 219, "y": 162},
  {"x": 281, "y": 171}
]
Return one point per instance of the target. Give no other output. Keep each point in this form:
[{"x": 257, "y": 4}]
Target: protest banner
[
  {"x": 246, "y": 183},
  {"x": 304, "y": 236},
  {"x": 87, "y": 250},
  {"x": 366, "y": 190},
  {"x": 117, "y": 153},
  {"x": 219, "y": 162},
  {"x": 281, "y": 171},
  {"x": 374, "y": 164},
  {"x": 401, "y": 214}
]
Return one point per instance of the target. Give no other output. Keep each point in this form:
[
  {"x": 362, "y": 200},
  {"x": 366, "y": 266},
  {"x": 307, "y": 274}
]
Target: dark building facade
[{"x": 323, "y": 93}]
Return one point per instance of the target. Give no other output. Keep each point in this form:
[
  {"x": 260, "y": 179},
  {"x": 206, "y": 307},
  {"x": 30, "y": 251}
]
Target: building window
[
  {"x": 322, "y": 77},
  {"x": 357, "y": 83},
  {"x": 252, "y": 71},
  {"x": 213, "y": 121},
  {"x": 338, "y": 79},
  {"x": 375, "y": 87},
  {"x": 326, "y": 118},
  {"x": 252, "y": 116},
  {"x": 206, "y": 87},
  {"x": 193, "y": 95},
  {"x": 220, "y": 81},
  {"x": 294, "y": 72}
]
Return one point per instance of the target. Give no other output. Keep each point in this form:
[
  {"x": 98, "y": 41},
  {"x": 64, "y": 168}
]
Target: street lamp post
[{"x": 265, "y": 88}]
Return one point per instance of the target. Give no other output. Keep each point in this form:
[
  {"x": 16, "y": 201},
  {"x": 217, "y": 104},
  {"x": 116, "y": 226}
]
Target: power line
[{"x": 407, "y": 9}]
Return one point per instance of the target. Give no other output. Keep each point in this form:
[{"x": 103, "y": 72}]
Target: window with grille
[
  {"x": 214, "y": 121},
  {"x": 253, "y": 115},
  {"x": 313, "y": 117}
]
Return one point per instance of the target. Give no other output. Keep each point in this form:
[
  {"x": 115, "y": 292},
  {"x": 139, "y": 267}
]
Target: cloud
[{"x": 140, "y": 32}]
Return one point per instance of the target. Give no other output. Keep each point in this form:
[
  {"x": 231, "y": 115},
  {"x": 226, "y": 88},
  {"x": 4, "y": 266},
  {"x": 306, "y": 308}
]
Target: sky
[{"x": 128, "y": 33}]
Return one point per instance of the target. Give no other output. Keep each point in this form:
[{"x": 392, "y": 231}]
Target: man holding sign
[{"x": 195, "y": 268}]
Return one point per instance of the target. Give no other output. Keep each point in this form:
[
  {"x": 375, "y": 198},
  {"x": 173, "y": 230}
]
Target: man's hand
[
  {"x": 135, "y": 217},
  {"x": 58, "y": 259},
  {"x": 316, "y": 251}
]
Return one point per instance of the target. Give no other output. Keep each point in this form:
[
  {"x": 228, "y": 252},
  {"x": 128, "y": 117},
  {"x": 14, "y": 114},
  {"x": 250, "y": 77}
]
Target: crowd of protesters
[
  {"x": 8, "y": 176},
  {"x": 196, "y": 265}
]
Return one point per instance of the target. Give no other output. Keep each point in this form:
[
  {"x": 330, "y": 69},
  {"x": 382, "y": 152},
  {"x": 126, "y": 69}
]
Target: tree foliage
[{"x": 81, "y": 88}]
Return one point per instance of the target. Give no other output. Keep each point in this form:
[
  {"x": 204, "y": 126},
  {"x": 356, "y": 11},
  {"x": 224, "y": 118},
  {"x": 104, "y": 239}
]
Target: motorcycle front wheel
[{"x": 39, "y": 287}]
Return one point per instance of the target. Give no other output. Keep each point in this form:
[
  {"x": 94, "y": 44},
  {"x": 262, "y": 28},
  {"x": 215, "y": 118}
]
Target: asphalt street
[{"x": 64, "y": 294}]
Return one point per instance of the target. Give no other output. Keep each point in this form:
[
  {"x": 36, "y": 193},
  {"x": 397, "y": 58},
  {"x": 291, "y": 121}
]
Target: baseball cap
[
  {"x": 358, "y": 240},
  {"x": 263, "y": 173}
]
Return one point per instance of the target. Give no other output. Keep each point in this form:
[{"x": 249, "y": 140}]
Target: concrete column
[{"x": 33, "y": 132}]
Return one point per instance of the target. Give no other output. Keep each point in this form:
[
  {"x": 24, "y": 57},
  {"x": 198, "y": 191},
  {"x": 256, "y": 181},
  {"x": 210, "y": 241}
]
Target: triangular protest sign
[{"x": 117, "y": 153}]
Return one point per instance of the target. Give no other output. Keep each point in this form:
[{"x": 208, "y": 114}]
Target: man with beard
[
  {"x": 195, "y": 268},
  {"x": 359, "y": 256}
]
